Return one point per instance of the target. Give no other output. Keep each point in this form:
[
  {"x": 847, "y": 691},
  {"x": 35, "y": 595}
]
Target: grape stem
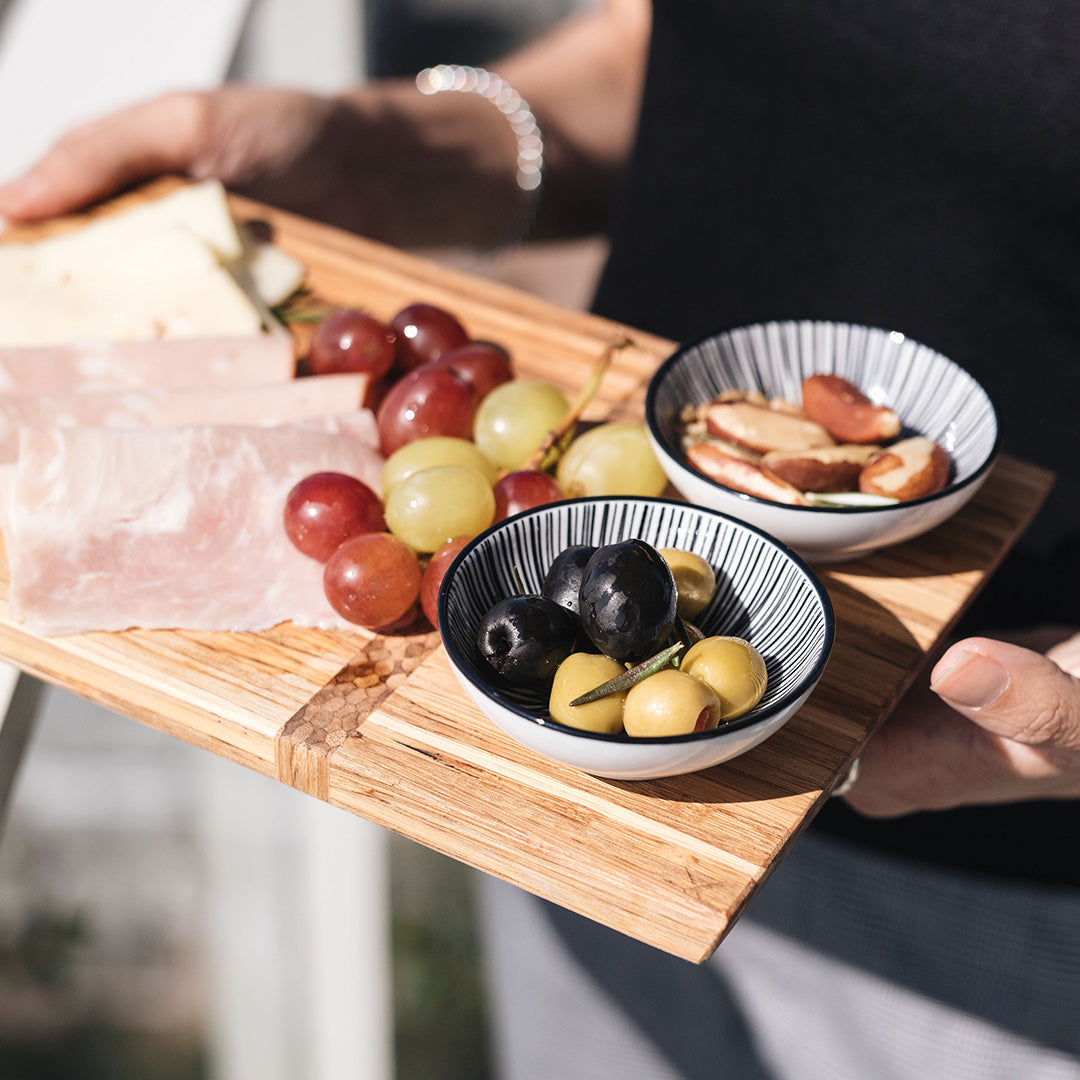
[{"x": 557, "y": 440}]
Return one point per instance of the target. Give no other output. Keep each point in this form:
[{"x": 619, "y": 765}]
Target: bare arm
[{"x": 382, "y": 159}]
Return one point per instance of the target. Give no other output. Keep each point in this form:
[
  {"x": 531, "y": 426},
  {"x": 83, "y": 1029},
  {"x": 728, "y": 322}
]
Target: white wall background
[{"x": 66, "y": 61}]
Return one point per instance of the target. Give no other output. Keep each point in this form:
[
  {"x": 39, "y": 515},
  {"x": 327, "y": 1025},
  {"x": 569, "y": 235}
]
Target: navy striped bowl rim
[
  {"x": 766, "y": 593},
  {"x": 933, "y": 395}
]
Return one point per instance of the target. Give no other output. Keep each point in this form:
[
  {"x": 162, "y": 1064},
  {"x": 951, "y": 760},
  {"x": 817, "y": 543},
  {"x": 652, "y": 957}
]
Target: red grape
[
  {"x": 522, "y": 490},
  {"x": 424, "y": 332},
  {"x": 434, "y": 572},
  {"x": 323, "y": 510},
  {"x": 352, "y": 341},
  {"x": 372, "y": 580},
  {"x": 377, "y": 389},
  {"x": 406, "y": 624},
  {"x": 481, "y": 363},
  {"x": 425, "y": 401}
]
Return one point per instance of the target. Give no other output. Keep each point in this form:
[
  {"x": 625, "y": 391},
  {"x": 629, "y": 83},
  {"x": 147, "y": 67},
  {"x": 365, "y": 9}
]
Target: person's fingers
[
  {"x": 106, "y": 155},
  {"x": 1066, "y": 654},
  {"x": 1012, "y": 692},
  {"x": 1001, "y": 723},
  {"x": 914, "y": 759}
]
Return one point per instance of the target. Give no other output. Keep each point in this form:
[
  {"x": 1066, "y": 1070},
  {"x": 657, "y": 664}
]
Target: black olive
[
  {"x": 526, "y": 638},
  {"x": 628, "y": 600},
  {"x": 562, "y": 583}
]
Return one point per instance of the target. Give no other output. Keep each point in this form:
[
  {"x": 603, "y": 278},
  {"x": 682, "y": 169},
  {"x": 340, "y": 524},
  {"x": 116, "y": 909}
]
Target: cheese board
[{"x": 378, "y": 726}]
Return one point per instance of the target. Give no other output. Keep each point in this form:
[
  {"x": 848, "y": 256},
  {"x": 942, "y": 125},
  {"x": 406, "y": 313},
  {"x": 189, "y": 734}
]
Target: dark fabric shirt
[{"x": 913, "y": 165}]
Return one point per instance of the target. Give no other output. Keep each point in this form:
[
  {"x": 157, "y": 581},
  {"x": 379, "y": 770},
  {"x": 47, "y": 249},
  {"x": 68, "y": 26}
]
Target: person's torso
[{"x": 913, "y": 165}]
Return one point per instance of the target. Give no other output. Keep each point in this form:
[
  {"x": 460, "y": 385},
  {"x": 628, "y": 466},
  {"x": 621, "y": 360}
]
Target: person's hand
[
  {"x": 240, "y": 135},
  {"x": 999, "y": 722},
  {"x": 383, "y": 159},
  {"x": 364, "y": 161}
]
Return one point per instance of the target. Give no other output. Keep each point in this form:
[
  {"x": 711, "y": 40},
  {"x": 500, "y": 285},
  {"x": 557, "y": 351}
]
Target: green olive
[
  {"x": 695, "y": 580},
  {"x": 670, "y": 703},
  {"x": 732, "y": 667},
  {"x": 578, "y": 674}
]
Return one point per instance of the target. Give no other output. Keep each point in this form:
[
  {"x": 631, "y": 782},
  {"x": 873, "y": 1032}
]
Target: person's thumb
[{"x": 1012, "y": 692}]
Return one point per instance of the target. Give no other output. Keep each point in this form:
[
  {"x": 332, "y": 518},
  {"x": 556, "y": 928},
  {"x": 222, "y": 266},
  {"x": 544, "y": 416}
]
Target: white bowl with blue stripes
[
  {"x": 765, "y": 594},
  {"x": 932, "y": 395}
]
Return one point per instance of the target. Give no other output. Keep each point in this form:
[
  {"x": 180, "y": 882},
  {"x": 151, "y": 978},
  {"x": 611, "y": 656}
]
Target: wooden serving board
[{"x": 378, "y": 726}]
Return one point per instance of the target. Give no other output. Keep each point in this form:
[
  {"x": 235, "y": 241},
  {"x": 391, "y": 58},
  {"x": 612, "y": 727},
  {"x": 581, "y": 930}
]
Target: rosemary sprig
[
  {"x": 849, "y": 500},
  {"x": 626, "y": 679},
  {"x": 301, "y": 307}
]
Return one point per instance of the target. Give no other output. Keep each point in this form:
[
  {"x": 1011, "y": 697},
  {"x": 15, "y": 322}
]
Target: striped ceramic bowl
[
  {"x": 932, "y": 395},
  {"x": 765, "y": 594}
]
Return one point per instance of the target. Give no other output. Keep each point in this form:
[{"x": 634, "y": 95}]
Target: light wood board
[{"x": 378, "y": 726}]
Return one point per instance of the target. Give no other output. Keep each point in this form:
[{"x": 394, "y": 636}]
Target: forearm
[
  {"x": 382, "y": 159},
  {"x": 584, "y": 84},
  {"x": 455, "y": 154}
]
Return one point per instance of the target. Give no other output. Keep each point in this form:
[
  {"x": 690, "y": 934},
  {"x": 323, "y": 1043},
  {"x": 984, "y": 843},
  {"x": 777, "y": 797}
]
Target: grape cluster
[{"x": 460, "y": 435}]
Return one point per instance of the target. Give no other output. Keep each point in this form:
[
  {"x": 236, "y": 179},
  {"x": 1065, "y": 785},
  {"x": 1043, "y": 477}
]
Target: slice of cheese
[
  {"x": 202, "y": 209},
  {"x": 176, "y": 267},
  {"x": 273, "y": 274},
  {"x": 164, "y": 284}
]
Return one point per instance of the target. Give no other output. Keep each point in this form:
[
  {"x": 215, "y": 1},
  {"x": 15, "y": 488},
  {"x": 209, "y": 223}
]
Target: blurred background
[{"x": 165, "y": 914}]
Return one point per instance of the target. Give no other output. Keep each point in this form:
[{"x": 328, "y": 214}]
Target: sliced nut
[
  {"x": 846, "y": 412},
  {"x": 907, "y": 469},
  {"x": 723, "y": 446},
  {"x": 756, "y": 397},
  {"x": 742, "y": 472},
  {"x": 827, "y": 468},
  {"x": 783, "y": 405},
  {"x": 760, "y": 428}
]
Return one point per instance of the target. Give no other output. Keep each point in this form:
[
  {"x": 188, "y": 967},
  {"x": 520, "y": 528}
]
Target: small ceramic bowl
[
  {"x": 932, "y": 395},
  {"x": 765, "y": 594}
]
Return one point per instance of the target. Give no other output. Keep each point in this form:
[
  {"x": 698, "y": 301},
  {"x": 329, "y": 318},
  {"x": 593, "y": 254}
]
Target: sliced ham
[
  {"x": 110, "y": 528},
  {"x": 201, "y": 362},
  {"x": 260, "y": 405}
]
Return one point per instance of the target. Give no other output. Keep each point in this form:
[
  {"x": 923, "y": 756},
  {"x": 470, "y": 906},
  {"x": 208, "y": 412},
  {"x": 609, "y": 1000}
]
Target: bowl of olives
[
  {"x": 835, "y": 438},
  {"x": 634, "y": 638}
]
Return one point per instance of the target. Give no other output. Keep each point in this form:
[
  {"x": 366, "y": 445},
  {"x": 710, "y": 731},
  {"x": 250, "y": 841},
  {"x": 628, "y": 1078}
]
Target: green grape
[
  {"x": 514, "y": 419},
  {"x": 435, "y": 505},
  {"x": 431, "y": 451},
  {"x": 612, "y": 459}
]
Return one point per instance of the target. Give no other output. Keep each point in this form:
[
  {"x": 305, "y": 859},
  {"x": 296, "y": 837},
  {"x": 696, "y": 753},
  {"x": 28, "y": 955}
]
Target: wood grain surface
[{"x": 378, "y": 726}]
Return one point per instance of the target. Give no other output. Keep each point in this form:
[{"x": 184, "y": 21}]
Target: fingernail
[{"x": 971, "y": 680}]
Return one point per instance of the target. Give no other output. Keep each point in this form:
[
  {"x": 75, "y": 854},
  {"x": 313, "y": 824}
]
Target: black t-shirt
[{"x": 912, "y": 165}]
